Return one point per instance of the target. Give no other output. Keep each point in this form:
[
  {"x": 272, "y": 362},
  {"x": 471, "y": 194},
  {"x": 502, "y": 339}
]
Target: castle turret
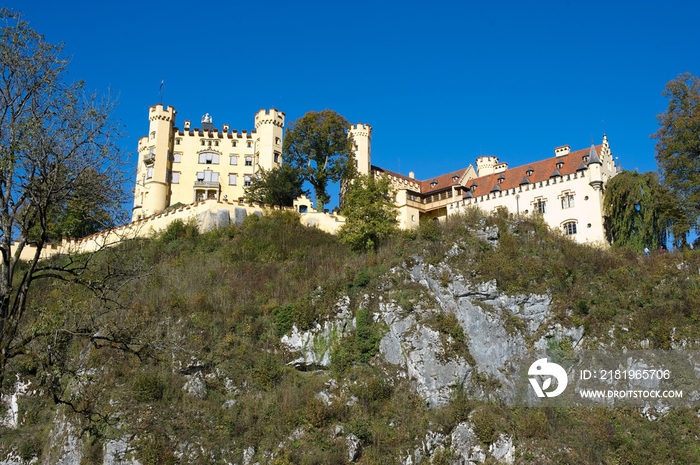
[
  {"x": 151, "y": 194},
  {"x": 362, "y": 139},
  {"x": 486, "y": 165},
  {"x": 595, "y": 169},
  {"x": 269, "y": 128}
]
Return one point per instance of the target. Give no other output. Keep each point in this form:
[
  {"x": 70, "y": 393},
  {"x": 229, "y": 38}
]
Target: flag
[{"x": 161, "y": 84}]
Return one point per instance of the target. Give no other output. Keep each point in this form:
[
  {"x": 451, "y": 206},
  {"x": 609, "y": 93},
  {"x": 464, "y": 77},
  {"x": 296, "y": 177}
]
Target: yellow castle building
[{"x": 190, "y": 165}]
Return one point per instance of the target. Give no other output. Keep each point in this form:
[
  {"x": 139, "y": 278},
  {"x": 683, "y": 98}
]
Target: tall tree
[
  {"x": 318, "y": 145},
  {"x": 678, "y": 146},
  {"x": 639, "y": 211},
  {"x": 57, "y": 143},
  {"x": 278, "y": 186},
  {"x": 370, "y": 212}
]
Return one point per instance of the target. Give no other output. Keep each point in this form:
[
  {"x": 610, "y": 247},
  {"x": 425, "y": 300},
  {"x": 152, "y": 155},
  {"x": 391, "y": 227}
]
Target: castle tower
[
  {"x": 595, "y": 169},
  {"x": 362, "y": 138},
  {"x": 152, "y": 190},
  {"x": 269, "y": 129},
  {"x": 486, "y": 165}
]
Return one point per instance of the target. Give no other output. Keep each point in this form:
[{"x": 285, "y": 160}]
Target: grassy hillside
[{"x": 185, "y": 360}]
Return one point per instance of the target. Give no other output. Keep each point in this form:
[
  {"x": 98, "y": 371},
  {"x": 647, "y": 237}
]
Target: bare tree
[{"x": 57, "y": 141}]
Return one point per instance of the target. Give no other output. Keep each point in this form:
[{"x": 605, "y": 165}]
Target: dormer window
[
  {"x": 455, "y": 178},
  {"x": 472, "y": 188},
  {"x": 501, "y": 178},
  {"x": 585, "y": 158},
  {"x": 560, "y": 164},
  {"x": 433, "y": 183},
  {"x": 529, "y": 172}
]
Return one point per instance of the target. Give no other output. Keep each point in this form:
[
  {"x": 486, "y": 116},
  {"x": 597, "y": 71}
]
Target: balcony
[
  {"x": 149, "y": 158},
  {"x": 206, "y": 184}
]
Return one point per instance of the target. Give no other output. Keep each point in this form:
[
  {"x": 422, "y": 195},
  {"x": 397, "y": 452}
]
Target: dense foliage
[
  {"x": 368, "y": 207},
  {"x": 318, "y": 147},
  {"x": 678, "y": 149},
  {"x": 278, "y": 186},
  {"x": 637, "y": 211}
]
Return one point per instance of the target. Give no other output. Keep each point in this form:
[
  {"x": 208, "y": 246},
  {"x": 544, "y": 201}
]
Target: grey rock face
[
  {"x": 354, "y": 447},
  {"x": 465, "y": 445},
  {"x": 115, "y": 453}
]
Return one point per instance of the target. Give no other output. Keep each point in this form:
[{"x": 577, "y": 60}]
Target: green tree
[
  {"x": 57, "y": 148},
  {"x": 278, "y": 186},
  {"x": 638, "y": 211},
  {"x": 678, "y": 148},
  {"x": 319, "y": 147},
  {"x": 370, "y": 211}
]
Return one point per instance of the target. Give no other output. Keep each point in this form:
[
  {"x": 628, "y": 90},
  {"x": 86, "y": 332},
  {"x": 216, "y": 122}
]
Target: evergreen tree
[
  {"x": 678, "y": 148},
  {"x": 369, "y": 209}
]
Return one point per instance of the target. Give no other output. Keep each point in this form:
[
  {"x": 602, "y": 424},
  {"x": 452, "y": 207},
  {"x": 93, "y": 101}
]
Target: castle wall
[{"x": 585, "y": 210}]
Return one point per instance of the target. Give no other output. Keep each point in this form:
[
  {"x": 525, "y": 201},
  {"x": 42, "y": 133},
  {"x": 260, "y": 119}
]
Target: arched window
[{"x": 569, "y": 228}]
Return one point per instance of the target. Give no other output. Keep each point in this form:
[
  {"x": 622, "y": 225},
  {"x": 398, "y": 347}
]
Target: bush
[{"x": 148, "y": 387}]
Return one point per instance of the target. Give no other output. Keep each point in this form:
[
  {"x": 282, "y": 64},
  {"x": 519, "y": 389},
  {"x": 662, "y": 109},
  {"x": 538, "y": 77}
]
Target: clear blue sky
[{"x": 440, "y": 82}]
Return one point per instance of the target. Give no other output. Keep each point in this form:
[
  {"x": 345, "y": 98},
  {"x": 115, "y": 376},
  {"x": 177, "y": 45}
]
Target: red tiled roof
[
  {"x": 541, "y": 171},
  {"x": 443, "y": 181}
]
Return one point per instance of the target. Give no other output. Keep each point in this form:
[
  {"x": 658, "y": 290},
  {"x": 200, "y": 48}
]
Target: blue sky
[{"x": 440, "y": 82}]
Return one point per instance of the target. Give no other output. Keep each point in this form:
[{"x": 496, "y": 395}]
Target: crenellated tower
[
  {"x": 269, "y": 129},
  {"x": 152, "y": 192},
  {"x": 362, "y": 140},
  {"x": 486, "y": 165}
]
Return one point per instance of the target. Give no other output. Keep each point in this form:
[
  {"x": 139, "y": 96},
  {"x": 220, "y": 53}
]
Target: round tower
[
  {"x": 362, "y": 139},
  {"x": 269, "y": 129},
  {"x": 485, "y": 165},
  {"x": 152, "y": 190}
]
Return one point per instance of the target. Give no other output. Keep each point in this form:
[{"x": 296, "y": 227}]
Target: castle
[{"x": 190, "y": 165}]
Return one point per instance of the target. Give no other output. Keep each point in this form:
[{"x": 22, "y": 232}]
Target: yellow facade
[{"x": 190, "y": 164}]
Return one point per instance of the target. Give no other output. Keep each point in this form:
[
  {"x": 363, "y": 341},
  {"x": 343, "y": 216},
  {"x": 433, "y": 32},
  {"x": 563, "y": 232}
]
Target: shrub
[{"x": 148, "y": 387}]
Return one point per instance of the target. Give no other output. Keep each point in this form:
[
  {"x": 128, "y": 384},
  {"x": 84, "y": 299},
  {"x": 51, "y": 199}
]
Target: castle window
[
  {"x": 177, "y": 141},
  {"x": 234, "y": 143},
  {"x": 277, "y": 157},
  {"x": 567, "y": 201},
  {"x": 570, "y": 228},
  {"x": 232, "y": 178},
  {"x": 234, "y": 160},
  {"x": 209, "y": 143},
  {"x": 177, "y": 157},
  {"x": 201, "y": 142},
  {"x": 216, "y": 143},
  {"x": 175, "y": 178},
  {"x": 209, "y": 158},
  {"x": 541, "y": 206},
  {"x": 246, "y": 180},
  {"x": 207, "y": 176},
  {"x": 153, "y": 134},
  {"x": 249, "y": 144},
  {"x": 149, "y": 172},
  {"x": 248, "y": 161},
  {"x": 277, "y": 140}
]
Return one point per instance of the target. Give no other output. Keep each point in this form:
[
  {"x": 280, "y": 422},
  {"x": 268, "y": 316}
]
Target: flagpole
[{"x": 162, "y": 83}]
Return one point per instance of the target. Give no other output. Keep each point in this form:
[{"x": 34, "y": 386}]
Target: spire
[{"x": 593, "y": 156}]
